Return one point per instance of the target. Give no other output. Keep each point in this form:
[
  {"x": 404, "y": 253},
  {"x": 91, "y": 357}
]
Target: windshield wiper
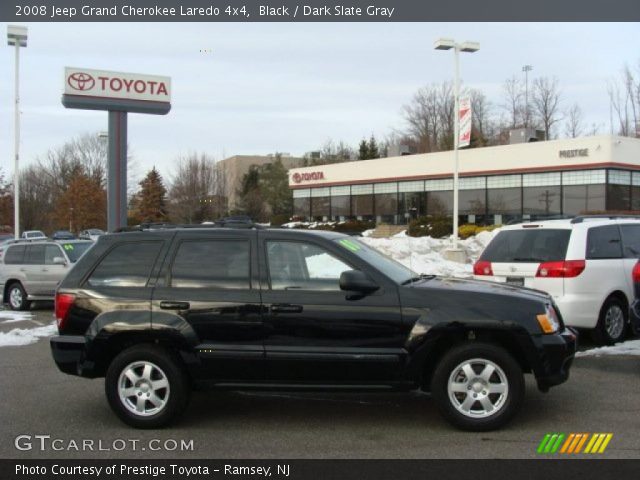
[{"x": 422, "y": 276}]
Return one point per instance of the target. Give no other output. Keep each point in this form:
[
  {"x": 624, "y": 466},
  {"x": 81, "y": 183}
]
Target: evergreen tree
[
  {"x": 373, "y": 148},
  {"x": 152, "y": 198},
  {"x": 363, "y": 150}
]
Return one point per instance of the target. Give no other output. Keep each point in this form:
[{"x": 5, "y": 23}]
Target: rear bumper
[
  {"x": 557, "y": 353},
  {"x": 69, "y": 354}
]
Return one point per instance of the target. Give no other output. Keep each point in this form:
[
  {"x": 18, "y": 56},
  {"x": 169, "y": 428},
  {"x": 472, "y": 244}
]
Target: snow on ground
[
  {"x": 631, "y": 347},
  {"x": 10, "y": 317},
  {"x": 26, "y": 336},
  {"x": 425, "y": 254}
]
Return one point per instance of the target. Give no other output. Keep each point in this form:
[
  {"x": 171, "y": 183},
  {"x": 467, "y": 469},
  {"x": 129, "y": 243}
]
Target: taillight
[
  {"x": 482, "y": 267},
  {"x": 63, "y": 304},
  {"x": 563, "y": 269},
  {"x": 635, "y": 274}
]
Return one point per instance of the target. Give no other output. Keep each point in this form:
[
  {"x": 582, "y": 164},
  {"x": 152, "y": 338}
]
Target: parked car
[
  {"x": 33, "y": 235},
  {"x": 584, "y": 263},
  {"x": 63, "y": 235},
  {"x": 156, "y": 311},
  {"x": 91, "y": 234},
  {"x": 31, "y": 271}
]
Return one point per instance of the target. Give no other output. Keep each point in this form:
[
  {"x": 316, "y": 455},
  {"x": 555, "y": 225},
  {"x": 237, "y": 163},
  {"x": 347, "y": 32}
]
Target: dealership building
[{"x": 497, "y": 185}]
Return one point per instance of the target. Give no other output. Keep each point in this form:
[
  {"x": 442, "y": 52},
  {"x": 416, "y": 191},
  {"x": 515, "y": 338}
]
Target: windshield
[
  {"x": 394, "y": 270},
  {"x": 75, "y": 250},
  {"x": 522, "y": 246}
]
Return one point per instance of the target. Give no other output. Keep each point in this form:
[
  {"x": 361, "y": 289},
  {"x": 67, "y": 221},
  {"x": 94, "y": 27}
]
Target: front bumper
[
  {"x": 556, "y": 356},
  {"x": 634, "y": 316},
  {"x": 69, "y": 354}
]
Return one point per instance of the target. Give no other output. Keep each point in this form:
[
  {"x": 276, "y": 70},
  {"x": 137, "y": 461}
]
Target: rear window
[
  {"x": 211, "y": 264},
  {"x": 604, "y": 242},
  {"x": 126, "y": 265},
  {"x": 631, "y": 240},
  {"x": 76, "y": 249},
  {"x": 14, "y": 255},
  {"x": 528, "y": 246}
]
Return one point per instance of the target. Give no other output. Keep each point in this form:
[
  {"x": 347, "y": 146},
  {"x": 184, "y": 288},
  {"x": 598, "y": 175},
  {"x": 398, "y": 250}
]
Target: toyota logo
[
  {"x": 81, "y": 81},
  {"x": 297, "y": 178}
]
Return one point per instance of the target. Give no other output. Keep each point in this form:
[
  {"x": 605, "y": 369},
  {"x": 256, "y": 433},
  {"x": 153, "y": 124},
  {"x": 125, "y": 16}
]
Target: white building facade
[{"x": 529, "y": 181}]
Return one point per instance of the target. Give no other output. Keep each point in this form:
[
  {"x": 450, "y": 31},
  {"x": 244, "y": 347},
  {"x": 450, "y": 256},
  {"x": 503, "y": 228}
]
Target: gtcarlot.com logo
[{"x": 574, "y": 443}]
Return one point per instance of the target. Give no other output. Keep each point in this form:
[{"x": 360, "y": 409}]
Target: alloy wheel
[
  {"x": 143, "y": 388},
  {"x": 478, "y": 388}
]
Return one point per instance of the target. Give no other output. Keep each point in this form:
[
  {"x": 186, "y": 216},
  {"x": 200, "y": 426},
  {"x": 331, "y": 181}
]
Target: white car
[
  {"x": 585, "y": 263},
  {"x": 33, "y": 235}
]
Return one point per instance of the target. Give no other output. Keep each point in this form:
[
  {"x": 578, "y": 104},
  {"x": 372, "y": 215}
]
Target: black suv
[{"x": 157, "y": 312}]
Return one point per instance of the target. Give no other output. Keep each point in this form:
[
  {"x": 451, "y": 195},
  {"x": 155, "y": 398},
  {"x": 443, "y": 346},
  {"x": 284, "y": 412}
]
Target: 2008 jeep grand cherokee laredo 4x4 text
[{"x": 156, "y": 312}]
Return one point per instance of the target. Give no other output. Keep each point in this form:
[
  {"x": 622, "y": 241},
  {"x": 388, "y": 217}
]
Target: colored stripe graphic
[{"x": 573, "y": 443}]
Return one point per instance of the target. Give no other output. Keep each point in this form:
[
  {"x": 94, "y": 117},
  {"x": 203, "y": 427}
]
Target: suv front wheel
[
  {"x": 146, "y": 387},
  {"x": 478, "y": 386}
]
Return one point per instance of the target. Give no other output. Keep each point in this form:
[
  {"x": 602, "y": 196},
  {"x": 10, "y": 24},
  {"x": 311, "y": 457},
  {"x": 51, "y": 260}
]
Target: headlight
[{"x": 548, "y": 321}]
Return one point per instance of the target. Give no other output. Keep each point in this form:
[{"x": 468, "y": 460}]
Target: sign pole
[{"x": 117, "y": 171}]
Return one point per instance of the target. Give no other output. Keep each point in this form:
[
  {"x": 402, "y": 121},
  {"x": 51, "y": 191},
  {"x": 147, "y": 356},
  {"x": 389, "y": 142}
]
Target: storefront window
[
  {"x": 302, "y": 207},
  {"x": 412, "y": 205},
  {"x": 581, "y": 199},
  {"x": 618, "y": 197},
  {"x": 340, "y": 207},
  {"x": 440, "y": 204},
  {"x": 541, "y": 202},
  {"x": 386, "y": 207}
]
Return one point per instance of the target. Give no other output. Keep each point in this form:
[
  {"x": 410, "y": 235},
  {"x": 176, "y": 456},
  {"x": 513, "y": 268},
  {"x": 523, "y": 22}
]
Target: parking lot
[{"x": 36, "y": 399}]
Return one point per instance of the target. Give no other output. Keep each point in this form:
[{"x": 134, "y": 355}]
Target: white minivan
[{"x": 585, "y": 263}]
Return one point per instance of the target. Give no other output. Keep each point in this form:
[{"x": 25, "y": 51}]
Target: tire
[
  {"x": 612, "y": 322},
  {"x": 453, "y": 390},
  {"x": 17, "y": 297},
  {"x": 146, "y": 387}
]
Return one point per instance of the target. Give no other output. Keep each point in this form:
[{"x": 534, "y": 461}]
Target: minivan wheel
[
  {"x": 612, "y": 322},
  {"x": 478, "y": 386},
  {"x": 18, "y": 297},
  {"x": 146, "y": 387}
]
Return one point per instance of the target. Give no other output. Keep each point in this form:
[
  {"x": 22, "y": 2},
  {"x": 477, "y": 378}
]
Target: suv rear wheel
[
  {"x": 146, "y": 387},
  {"x": 17, "y": 297},
  {"x": 612, "y": 322},
  {"x": 478, "y": 386}
]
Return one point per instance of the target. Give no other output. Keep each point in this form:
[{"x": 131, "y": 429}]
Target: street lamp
[
  {"x": 469, "y": 47},
  {"x": 526, "y": 69},
  {"x": 17, "y": 37}
]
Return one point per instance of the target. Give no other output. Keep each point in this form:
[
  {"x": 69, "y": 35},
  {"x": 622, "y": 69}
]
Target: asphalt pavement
[{"x": 42, "y": 409}]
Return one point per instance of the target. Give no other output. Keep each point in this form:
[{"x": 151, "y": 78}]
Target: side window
[
  {"x": 604, "y": 242},
  {"x": 15, "y": 255},
  {"x": 212, "y": 264},
  {"x": 34, "y": 255},
  {"x": 126, "y": 265},
  {"x": 51, "y": 252},
  {"x": 303, "y": 266},
  {"x": 631, "y": 240}
]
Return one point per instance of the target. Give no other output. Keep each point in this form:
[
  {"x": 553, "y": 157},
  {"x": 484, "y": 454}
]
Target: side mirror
[
  {"x": 59, "y": 261},
  {"x": 357, "y": 281}
]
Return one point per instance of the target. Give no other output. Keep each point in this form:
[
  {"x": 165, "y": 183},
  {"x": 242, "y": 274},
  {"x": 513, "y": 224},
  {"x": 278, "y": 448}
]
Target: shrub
[{"x": 436, "y": 227}]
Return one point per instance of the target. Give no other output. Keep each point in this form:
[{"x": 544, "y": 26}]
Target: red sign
[{"x": 307, "y": 176}]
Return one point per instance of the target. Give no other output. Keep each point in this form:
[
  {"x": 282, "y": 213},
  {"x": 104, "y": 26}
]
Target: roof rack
[
  {"x": 227, "y": 222},
  {"x": 582, "y": 218}
]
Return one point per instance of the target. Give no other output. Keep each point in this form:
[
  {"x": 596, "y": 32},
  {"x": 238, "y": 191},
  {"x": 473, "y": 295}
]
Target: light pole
[
  {"x": 17, "y": 37},
  {"x": 526, "y": 69},
  {"x": 470, "y": 47}
]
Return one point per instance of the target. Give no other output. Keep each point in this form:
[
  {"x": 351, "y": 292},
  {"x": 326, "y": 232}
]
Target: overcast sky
[{"x": 269, "y": 87}]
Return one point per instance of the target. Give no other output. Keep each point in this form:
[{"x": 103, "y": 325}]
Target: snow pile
[
  {"x": 632, "y": 347},
  {"x": 426, "y": 254},
  {"x": 26, "y": 336},
  {"x": 10, "y": 317}
]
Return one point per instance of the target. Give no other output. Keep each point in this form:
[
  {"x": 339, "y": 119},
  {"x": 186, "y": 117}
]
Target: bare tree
[
  {"x": 429, "y": 117},
  {"x": 624, "y": 98},
  {"x": 574, "y": 125},
  {"x": 512, "y": 101},
  {"x": 481, "y": 111},
  {"x": 546, "y": 103},
  {"x": 195, "y": 187}
]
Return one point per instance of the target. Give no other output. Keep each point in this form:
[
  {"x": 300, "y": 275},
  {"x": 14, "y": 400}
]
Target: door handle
[
  {"x": 174, "y": 305},
  {"x": 286, "y": 308}
]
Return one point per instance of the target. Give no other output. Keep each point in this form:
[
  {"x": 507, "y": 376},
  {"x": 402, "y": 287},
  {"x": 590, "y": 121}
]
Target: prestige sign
[{"x": 116, "y": 85}]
